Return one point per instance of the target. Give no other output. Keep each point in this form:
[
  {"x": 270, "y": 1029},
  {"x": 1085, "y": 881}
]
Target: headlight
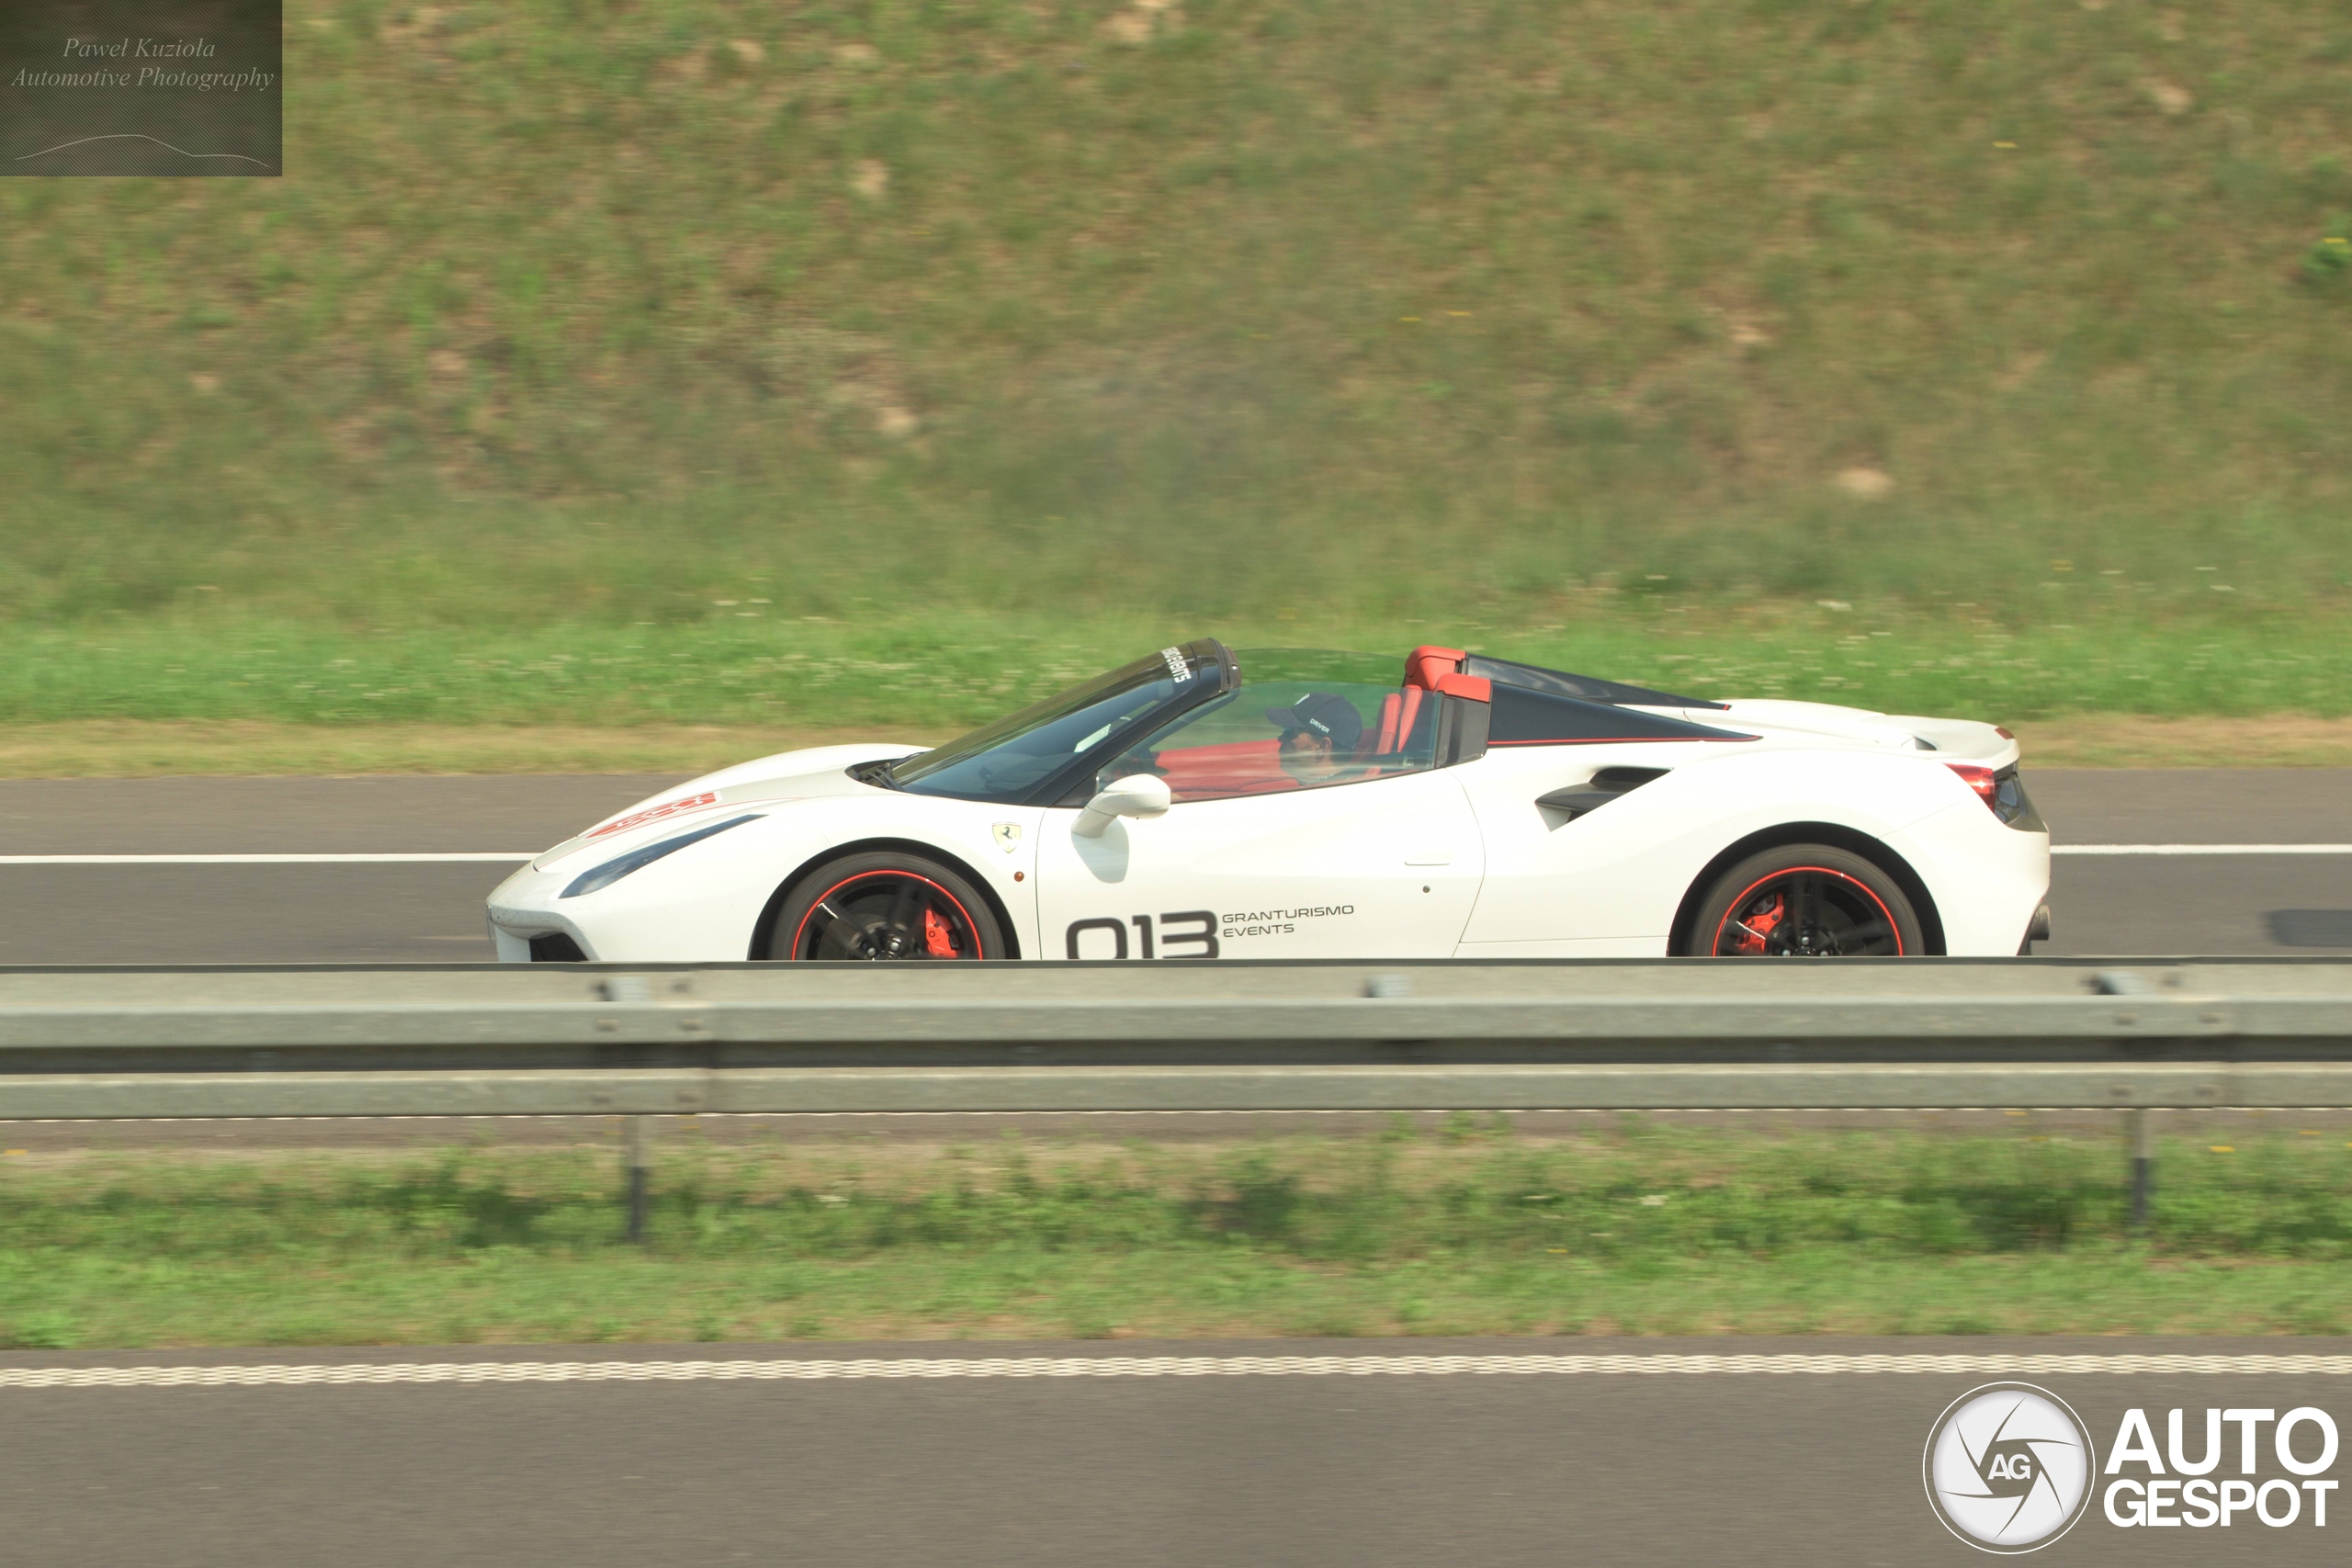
[{"x": 611, "y": 871}]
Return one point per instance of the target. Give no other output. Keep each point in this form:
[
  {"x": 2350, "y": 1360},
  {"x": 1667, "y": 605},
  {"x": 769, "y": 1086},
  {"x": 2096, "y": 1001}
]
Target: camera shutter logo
[{"x": 2008, "y": 1467}]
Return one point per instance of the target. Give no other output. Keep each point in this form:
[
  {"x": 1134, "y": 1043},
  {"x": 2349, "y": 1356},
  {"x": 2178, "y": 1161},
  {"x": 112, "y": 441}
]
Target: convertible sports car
[{"x": 1203, "y": 803}]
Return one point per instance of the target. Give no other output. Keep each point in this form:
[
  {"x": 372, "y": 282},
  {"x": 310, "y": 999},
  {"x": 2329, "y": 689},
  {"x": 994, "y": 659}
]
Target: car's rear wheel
[
  {"x": 1806, "y": 901},
  {"x": 884, "y": 905}
]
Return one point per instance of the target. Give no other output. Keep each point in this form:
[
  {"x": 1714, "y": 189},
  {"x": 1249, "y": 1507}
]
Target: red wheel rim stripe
[
  {"x": 962, "y": 913},
  {"x": 1715, "y": 948}
]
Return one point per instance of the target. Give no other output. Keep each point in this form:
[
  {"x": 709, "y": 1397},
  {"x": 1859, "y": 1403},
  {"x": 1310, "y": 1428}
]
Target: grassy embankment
[
  {"x": 296, "y": 698},
  {"x": 600, "y": 332},
  {"x": 1633, "y": 1229}
]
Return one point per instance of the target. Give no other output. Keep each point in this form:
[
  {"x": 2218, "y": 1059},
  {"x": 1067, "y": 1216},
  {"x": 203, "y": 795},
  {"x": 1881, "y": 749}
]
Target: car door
[
  {"x": 1602, "y": 881},
  {"x": 1379, "y": 857}
]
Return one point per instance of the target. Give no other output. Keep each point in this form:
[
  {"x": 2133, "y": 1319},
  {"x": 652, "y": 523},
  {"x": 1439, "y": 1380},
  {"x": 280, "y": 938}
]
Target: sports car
[{"x": 1203, "y": 803}]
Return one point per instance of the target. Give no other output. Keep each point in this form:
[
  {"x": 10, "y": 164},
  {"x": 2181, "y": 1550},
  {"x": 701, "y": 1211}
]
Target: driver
[{"x": 1320, "y": 733}]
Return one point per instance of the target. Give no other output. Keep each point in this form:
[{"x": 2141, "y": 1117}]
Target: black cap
[{"x": 1322, "y": 713}]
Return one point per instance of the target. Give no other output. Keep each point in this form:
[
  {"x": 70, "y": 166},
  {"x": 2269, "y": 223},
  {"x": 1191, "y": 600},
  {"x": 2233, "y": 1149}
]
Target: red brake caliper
[
  {"x": 937, "y": 939},
  {"x": 1760, "y": 923}
]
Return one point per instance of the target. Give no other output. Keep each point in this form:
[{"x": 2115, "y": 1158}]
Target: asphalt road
[
  {"x": 1361, "y": 1471},
  {"x": 1355, "y": 1472},
  {"x": 377, "y": 913}
]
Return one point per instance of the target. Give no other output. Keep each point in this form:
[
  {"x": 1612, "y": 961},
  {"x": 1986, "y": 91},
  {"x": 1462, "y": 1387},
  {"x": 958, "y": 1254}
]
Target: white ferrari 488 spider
[{"x": 1202, "y": 804}]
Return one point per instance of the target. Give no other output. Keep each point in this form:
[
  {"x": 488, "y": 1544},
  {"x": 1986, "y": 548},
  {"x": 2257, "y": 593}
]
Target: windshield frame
[{"x": 1210, "y": 670}]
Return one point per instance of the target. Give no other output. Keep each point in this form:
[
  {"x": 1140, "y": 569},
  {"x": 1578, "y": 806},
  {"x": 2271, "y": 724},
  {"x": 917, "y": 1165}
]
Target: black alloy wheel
[
  {"x": 883, "y": 907},
  {"x": 1806, "y": 901}
]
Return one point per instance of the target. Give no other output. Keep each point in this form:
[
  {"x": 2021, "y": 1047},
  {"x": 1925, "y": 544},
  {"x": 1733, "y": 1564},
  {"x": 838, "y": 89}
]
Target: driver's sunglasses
[{"x": 1291, "y": 735}]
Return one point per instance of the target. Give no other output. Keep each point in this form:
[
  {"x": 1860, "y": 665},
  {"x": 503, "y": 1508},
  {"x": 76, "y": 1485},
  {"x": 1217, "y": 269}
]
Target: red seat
[
  {"x": 1382, "y": 736},
  {"x": 1235, "y": 767},
  {"x": 1397, "y": 711},
  {"x": 1425, "y": 666}
]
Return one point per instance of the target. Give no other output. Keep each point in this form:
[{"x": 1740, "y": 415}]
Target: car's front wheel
[
  {"x": 882, "y": 906},
  {"x": 1806, "y": 901}
]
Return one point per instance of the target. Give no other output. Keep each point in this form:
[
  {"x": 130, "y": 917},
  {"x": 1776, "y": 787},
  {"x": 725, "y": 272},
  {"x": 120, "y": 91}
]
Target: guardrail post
[
  {"x": 2144, "y": 1165},
  {"x": 640, "y": 1157}
]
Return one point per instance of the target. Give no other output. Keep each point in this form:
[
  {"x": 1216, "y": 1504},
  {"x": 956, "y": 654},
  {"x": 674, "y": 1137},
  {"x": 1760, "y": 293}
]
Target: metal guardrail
[
  {"x": 1633, "y": 1035},
  {"x": 574, "y": 1039},
  {"x": 1400, "y": 1086}
]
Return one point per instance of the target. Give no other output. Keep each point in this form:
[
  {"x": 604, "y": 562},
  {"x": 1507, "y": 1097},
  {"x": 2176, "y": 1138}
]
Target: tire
[
  {"x": 883, "y": 905},
  {"x": 1806, "y": 901}
]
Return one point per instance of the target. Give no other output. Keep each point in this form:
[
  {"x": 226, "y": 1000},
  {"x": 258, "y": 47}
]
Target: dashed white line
[{"x": 388, "y": 1372}]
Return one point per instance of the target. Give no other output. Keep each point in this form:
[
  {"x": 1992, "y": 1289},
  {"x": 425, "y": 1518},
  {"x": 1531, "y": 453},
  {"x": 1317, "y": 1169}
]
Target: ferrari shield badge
[{"x": 1007, "y": 834}]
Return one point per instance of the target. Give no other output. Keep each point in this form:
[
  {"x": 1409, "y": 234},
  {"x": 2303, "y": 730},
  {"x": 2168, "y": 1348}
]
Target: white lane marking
[
  {"x": 1143, "y": 1367},
  {"x": 499, "y": 855},
  {"x": 2200, "y": 849}
]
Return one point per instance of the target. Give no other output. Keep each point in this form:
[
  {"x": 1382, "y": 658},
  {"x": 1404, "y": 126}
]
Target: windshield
[
  {"x": 1012, "y": 757},
  {"x": 1276, "y": 734}
]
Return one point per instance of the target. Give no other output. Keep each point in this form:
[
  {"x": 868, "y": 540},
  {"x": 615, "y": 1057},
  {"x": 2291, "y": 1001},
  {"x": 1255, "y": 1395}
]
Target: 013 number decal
[{"x": 1171, "y": 942}]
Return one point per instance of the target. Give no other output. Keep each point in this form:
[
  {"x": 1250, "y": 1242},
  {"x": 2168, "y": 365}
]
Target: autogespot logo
[{"x": 2008, "y": 1467}]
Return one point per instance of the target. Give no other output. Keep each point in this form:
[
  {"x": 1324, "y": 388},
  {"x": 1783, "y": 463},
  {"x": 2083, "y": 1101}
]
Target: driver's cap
[{"x": 1322, "y": 713}]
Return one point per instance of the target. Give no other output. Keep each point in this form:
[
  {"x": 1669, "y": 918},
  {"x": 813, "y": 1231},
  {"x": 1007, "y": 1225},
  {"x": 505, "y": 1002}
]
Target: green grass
[
  {"x": 572, "y": 314},
  {"x": 1633, "y": 1230},
  {"x": 927, "y": 679}
]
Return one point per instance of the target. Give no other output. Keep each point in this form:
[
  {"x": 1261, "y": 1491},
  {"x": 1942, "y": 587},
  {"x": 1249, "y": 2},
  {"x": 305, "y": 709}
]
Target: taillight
[
  {"x": 2003, "y": 793},
  {"x": 1983, "y": 781}
]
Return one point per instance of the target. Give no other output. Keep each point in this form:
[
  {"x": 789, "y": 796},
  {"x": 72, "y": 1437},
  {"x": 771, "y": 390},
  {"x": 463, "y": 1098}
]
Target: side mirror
[{"x": 1138, "y": 795}]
